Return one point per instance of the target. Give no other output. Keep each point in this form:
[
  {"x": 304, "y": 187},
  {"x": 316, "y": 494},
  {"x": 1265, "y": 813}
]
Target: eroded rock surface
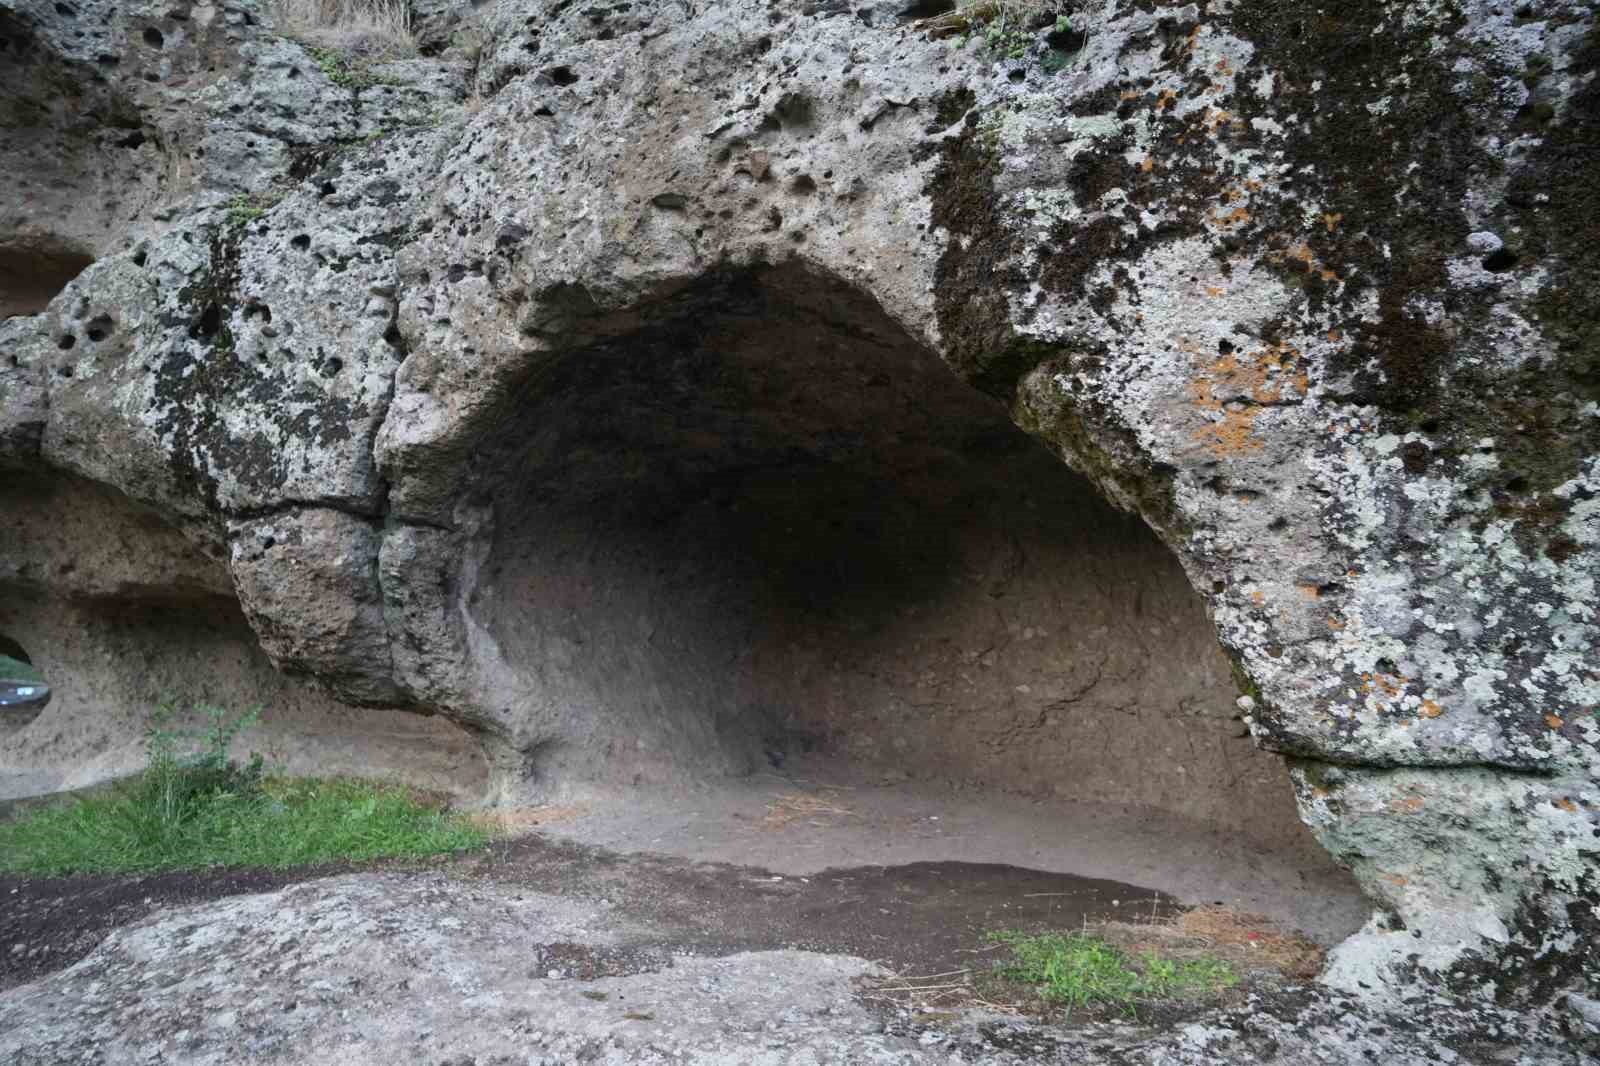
[
  {"x": 379, "y": 968},
  {"x": 587, "y": 394}
]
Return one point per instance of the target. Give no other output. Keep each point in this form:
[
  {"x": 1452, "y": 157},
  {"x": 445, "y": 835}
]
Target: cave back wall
[{"x": 772, "y": 523}]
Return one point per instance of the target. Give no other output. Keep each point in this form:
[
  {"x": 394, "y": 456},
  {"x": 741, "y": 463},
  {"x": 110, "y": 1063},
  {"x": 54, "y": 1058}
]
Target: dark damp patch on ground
[
  {"x": 47, "y": 924},
  {"x": 918, "y": 918}
]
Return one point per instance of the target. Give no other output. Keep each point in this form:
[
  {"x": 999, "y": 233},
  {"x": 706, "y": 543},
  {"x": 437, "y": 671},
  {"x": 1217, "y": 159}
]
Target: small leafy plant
[
  {"x": 343, "y": 70},
  {"x": 176, "y": 783},
  {"x": 1007, "y": 28},
  {"x": 243, "y": 210}
]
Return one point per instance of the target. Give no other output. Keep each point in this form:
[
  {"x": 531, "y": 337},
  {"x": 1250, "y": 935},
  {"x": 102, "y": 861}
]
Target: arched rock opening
[
  {"x": 31, "y": 276},
  {"x": 768, "y": 524},
  {"x": 24, "y": 692},
  {"x": 121, "y": 613}
]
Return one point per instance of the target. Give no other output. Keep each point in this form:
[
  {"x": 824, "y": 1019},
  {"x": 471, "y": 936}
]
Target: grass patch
[
  {"x": 279, "y": 822},
  {"x": 193, "y": 806},
  {"x": 1078, "y": 971}
]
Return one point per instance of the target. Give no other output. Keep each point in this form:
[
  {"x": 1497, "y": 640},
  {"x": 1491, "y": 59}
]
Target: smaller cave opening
[
  {"x": 119, "y": 613},
  {"x": 33, "y": 273},
  {"x": 24, "y": 692}
]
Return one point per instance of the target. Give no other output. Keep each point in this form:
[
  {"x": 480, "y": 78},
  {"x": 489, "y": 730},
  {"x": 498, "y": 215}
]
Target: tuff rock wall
[{"x": 1309, "y": 288}]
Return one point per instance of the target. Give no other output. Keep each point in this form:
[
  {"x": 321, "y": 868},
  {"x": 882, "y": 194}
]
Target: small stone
[
  {"x": 1483, "y": 242},
  {"x": 1245, "y": 704}
]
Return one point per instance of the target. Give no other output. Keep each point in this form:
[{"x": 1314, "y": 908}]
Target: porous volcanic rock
[{"x": 585, "y": 391}]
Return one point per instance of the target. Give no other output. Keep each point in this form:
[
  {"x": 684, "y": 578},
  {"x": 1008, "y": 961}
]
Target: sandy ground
[{"x": 819, "y": 815}]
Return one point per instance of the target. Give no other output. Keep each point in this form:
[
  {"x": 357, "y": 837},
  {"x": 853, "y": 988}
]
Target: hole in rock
[
  {"x": 1500, "y": 260},
  {"x": 922, "y": 9},
  {"x": 23, "y": 689},
  {"x": 767, "y": 532},
  {"x": 1067, "y": 40},
  {"x": 31, "y": 276}
]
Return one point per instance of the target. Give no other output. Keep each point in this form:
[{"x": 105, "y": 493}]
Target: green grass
[
  {"x": 1084, "y": 971},
  {"x": 147, "y": 824}
]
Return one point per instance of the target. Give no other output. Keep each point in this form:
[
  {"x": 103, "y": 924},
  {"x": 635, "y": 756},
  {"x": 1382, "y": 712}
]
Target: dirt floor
[
  {"x": 949, "y": 869},
  {"x": 818, "y": 814},
  {"x": 918, "y": 918}
]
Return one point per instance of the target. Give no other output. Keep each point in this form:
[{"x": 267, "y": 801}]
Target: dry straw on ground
[
  {"x": 364, "y": 27},
  {"x": 794, "y": 806},
  {"x": 514, "y": 821},
  {"x": 1250, "y": 942}
]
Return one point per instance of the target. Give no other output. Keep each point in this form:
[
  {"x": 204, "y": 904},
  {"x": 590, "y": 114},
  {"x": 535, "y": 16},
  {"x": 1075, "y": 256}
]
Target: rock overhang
[{"x": 1242, "y": 288}]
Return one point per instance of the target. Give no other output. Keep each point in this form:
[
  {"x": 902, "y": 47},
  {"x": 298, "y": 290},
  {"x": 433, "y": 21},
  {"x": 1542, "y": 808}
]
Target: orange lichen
[
  {"x": 1223, "y": 383},
  {"x": 1566, "y": 805},
  {"x": 1301, "y": 253},
  {"x": 1553, "y": 721},
  {"x": 1409, "y": 805},
  {"x": 1258, "y": 597},
  {"x": 1430, "y": 709},
  {"x": 1389, "y": 685}
]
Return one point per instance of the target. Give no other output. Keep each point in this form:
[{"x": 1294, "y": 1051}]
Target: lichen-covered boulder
[{"x": 1310, "y": 288}]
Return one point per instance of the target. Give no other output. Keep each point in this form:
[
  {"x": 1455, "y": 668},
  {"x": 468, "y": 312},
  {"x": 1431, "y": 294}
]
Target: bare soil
[
  {"x": 917, "y": 918},
  {"x": 49, "y": 923}
]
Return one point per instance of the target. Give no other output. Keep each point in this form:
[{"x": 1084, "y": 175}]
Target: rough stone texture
[
  {"x": 378, "y": 969},
  {"x": 1308, "y": 288},
  {"x": 307, "y": 580},
  {"x": 105, "y": 595}
]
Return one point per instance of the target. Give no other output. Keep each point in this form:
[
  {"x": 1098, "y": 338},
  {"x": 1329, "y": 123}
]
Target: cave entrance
[
  {"x": 30, "y": 277},
  {"x": 769, "y": 530}
]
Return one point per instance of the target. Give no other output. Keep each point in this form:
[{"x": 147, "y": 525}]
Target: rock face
[
  {"x": 386, "y": 968},
  {"x": 591, "y": 391}
]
